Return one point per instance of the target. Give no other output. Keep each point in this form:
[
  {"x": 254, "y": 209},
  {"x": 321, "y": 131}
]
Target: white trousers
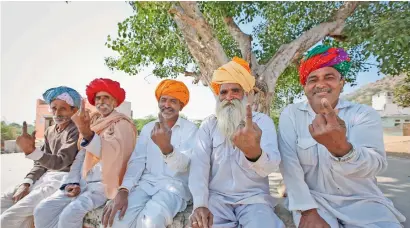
[
  {"x": 61, "y": 211},
  {"x": 336, "y": 223},
  {"x": 146, "y": 211},
  {"x": 256, "y": 215},
  {"x": 20, "y": 214}
]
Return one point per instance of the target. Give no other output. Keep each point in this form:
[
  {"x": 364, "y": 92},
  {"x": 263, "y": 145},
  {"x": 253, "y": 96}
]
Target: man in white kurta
[
  {"x": 332, "y": 151},
  {"x": 155, "y": 186},
  {"x": 109, "y": 146},
  {"x": 233, "y": 156}
]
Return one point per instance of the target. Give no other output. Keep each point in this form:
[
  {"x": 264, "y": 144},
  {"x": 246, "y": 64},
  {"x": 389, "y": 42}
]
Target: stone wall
[{"x": 181, "y": 220}]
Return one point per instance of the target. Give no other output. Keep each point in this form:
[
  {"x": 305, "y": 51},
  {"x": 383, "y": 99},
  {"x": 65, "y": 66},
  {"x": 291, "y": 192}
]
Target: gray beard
[{"x": 230, "y": 115}]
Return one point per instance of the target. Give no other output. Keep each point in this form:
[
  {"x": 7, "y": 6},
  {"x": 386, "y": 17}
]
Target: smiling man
[
  {"x": 107, "y": 141},
  {"x": 51, "y": 162},
  {"x": 235, "y": 151},
  {"x": 332, "y": 151},
  {"x": 155, "y": 186}
]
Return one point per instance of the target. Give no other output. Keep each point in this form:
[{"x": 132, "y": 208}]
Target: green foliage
[
  {"x": 376, "y": 30},
  {"x": 7, "y": 132},
  {"x": 140, "y": 123},
  {"x": 402, "y": 93}
]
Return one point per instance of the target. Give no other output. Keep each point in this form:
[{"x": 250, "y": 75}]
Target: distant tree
[
  {"x": 140, "y": 123},
  {"x": 402, "y": 93},
  {"x": 8, "y": 132}
]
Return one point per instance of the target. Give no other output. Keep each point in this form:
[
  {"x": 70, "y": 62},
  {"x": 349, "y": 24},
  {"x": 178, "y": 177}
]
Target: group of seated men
[{"x": 329, "y": 152}]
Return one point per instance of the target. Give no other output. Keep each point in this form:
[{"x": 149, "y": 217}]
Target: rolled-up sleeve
[
  {"x": 297, "y": 190},
  {"x": 368, "y": 157}
]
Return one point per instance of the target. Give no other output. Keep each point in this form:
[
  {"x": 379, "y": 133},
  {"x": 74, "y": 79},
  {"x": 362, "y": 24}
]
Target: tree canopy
[{"x": 171, "y": 35}]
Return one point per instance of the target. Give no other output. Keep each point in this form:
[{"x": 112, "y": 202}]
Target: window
[
  {"x": 406, "y": 120},
  {"x": 397, "y": 121}
]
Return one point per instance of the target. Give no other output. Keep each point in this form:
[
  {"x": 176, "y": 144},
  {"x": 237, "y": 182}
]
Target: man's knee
[
  {"x": 153, "y": 220},
  {"x": 262, "y": 216}
]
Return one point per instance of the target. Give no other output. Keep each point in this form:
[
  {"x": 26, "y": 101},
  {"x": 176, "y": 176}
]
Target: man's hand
[
  {"x": 161, "y": 135},
  {"x": 72, "y": 190},
  {"x": 21, "y": 192},
  {"x": 248, "y": 138},
  {"x": 329, "y": 130},
  {"x": 26, "y": 142},
  {"x": 311, "y": 219},
  {"x": 119, "y": 203},
  {"x": 82, "y": 120},
  {"x": 201, "y": 218}
]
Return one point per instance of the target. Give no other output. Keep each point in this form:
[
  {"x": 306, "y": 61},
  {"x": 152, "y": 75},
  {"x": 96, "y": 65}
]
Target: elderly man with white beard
[{"x": 235, "y": 152}]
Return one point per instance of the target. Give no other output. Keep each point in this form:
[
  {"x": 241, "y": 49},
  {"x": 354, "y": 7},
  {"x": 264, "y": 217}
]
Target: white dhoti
[
  {"x": 337, "y": 223},
  {"x": 59, "y": 210},
  {"x": 20, "y": 214},
  {"x": 244, "y": 215},
  {"x": 150, "y": 211}
]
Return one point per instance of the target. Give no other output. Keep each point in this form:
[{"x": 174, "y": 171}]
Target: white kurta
[
  {"x": 345, "y": 188},
  {"x": 222, "y": 179},
  {"x": 59, "y": 210},
  {"x": 158, "y": 185}
]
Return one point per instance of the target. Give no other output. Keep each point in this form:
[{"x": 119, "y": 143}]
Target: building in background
[
  {"x": 395, "y": 119},
  {"x": 44, "y": 117}
]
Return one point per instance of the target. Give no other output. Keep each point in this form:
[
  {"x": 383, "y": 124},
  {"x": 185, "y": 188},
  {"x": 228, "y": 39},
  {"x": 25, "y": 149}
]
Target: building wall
[{"x": 44, "y": 117}]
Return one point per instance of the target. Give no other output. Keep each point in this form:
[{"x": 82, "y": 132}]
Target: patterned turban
[
  {"x": 236, "y": 71},
  {"x": 324, "y": 56},
  {"x": 173, "y": 88},
  {"x": 67, "y": 94},
  {"x": 106, "y": 85}
]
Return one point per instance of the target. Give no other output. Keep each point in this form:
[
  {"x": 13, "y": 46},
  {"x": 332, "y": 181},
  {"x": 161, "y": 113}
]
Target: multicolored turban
[
  {"x": 236, "y": 71},
  {"x": 173, "y": 88},
  {"x": 67, "y": 94},
  {"x": 106, "y": 85},
  {"x": 324, "y": 56}
]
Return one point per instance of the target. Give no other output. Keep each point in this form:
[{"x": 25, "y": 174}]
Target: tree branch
[
  {"x": 199, "y": 38},
  {"x": 294, "y": 50}
]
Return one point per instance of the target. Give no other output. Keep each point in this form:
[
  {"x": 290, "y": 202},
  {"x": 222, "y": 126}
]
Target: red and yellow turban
[
  {"x": 106, "y": 85},
  {"x": 324, "y": 56},
  {"x": 173, "y": 88},
  {"x": 236, "y": 71}
]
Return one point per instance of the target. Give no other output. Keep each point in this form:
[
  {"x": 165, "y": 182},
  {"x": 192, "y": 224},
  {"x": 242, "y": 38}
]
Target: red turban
[
  {"x": 173, "y": 88},
  {"x": 106, "y": 85}
]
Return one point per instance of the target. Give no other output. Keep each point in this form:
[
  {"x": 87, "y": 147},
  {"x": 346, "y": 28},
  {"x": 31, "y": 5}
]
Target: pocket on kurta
[{"x": 307, "y": 151}]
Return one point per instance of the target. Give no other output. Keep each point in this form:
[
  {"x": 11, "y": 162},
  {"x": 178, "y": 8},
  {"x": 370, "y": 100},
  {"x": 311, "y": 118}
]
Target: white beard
[{"x": 229, "y": 115}]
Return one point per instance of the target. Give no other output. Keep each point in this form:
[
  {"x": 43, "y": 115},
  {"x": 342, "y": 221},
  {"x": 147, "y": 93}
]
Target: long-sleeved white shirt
[
  {"x": 223, "y": 172},
  {"x": 314, "y": 177},
  {"x": 152, "y": 171}
]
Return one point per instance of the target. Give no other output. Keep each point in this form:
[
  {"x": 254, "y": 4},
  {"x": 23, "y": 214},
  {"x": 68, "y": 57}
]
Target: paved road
[{"x": 394, "y": 182}]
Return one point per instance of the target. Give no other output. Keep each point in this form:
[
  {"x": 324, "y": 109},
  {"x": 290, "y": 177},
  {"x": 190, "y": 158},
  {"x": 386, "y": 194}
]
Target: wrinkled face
[
  {"x": 62, "y": 111},
  {"x": 105, "y": 103},
  {"x": 325, "y": 82},
  {"x": 230, "y": 108},
  {"x": 169, "y": 106}
]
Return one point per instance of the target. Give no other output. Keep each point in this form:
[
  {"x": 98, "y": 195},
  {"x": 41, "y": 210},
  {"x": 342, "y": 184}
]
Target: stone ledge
[{"x": 181, "y": 220}]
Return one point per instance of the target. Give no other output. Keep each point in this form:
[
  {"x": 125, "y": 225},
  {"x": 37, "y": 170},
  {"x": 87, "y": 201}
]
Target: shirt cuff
[
  {"x": 94, "y": 146},
  {"x": 176, "y": 161},
  {"x": 347, "y": 157},
  {"x": 28, "y": 181},
  {"x": 260, "y": 164},
  {"x": 36, "y": 155},
  {"x": 200, "y": 202},
  {"x": 127, "y": 184}
]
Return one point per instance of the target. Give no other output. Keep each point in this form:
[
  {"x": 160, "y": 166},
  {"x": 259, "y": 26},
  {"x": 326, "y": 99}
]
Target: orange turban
[
  {"x": 173, "y": 88},
  {"x": 236, "y": 71}
]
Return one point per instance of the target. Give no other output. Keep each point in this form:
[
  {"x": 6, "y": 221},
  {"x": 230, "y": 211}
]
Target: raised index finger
[
  {"x": 248, "y": 122},
  {"x": 82, "y": 108},
  {"x": 328, "y": 111},
  {"x": 24, "y": 128},
  {"x": 162, "y": 123}
]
